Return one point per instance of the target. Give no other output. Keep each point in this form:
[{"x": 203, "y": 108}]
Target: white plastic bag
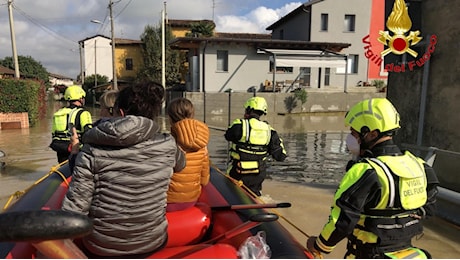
[{"x": 255, "y": 247}]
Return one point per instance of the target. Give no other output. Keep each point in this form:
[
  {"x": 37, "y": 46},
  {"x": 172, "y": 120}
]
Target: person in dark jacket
[
  {"x": 252, "y": 141},
  {"x": 383, "y": 197},
  {"x": 122, "y": 174}
]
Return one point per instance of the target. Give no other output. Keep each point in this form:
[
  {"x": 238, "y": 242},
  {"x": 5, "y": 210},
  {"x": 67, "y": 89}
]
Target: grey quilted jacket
[{"x": 120, "y": 181}]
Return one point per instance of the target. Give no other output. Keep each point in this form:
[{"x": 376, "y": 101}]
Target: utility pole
[
  {"x": 13, "y": 40},
  {"x": 95, "y": 65},
  {"x": 114, "y": 67},
  {"x": 163, "y": 47},
  {"x": 82, "y": 77}
]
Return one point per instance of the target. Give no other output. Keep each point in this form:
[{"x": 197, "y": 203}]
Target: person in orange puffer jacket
[{"x": 192, "y": 136}]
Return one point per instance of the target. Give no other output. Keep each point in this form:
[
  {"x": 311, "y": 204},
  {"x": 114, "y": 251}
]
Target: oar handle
[
  {"x": 43, "y": 225},
  {"x": 253, "y": 206}
]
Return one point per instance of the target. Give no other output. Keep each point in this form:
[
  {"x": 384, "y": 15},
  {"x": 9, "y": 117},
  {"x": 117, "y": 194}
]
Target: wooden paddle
[{"x": 253, "y": 206}]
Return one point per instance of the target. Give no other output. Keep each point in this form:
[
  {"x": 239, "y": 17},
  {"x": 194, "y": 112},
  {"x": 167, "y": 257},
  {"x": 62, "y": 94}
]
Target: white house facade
[
  {"x": 333, "y": 21},
  {"x": 97, "y": 56},
  {"x": 56, "y": 79},
  {"x": 244, "y": 62}
]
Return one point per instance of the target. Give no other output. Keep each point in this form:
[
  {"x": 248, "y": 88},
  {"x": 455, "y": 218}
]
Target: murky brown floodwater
[{"x": 316, "y": 155}]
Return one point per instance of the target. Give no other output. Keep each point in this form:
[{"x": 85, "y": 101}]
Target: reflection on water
[
  {"x": 314, "y": 157},
  {"x": 315, "y": 146}
]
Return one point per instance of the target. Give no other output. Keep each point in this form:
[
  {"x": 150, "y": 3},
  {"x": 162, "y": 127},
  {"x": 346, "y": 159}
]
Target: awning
[
  {"x": 306, "y": 58},
  {"x": 300, "y": 62}
]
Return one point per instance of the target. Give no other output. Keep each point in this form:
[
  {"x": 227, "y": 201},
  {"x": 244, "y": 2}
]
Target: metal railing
[{"x": 446, "y": 164}]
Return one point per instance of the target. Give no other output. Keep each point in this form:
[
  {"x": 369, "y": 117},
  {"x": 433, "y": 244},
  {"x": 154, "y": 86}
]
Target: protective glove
[{"x": 311, "y": 241}]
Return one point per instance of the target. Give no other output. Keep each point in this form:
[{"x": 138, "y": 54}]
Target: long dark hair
[{"x": 141, "y": 99}]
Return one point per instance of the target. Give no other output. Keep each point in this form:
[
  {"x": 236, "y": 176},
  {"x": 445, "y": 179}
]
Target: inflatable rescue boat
[{"x": 226, "y": 222}]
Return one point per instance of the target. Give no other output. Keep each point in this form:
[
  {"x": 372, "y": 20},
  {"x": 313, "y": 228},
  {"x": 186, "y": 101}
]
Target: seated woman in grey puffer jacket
[{"x": 122, "y": 174}]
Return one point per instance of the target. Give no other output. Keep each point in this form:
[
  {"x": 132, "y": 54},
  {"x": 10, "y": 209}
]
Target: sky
[{"x": 49, "y": 30}]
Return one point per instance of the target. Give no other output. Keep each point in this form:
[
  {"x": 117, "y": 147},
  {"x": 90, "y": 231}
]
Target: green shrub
[
  {"x": 301, "y": 95},
  {"x": 290, "y": 102},
  {"x": 17, "y": 96}
]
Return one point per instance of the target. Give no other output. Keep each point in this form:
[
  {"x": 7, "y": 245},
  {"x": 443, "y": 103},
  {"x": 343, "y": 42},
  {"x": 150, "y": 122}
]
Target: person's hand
[
  {"x": 74, "y": 142},
  {"x": 311, "y": 241}
]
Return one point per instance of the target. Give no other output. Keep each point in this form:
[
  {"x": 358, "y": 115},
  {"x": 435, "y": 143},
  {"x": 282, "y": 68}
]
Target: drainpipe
[
  {"x": 346, "y": 75},
  {"x": 203, "y": 72},
  {"x": 274, "y": 71},
  {"x": 423, "y": 94}
]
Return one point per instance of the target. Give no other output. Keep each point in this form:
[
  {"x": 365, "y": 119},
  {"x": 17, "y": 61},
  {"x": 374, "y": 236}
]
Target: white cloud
[
  {"x": 255, "y": 21},
  {"x": 49, "y": 31}
]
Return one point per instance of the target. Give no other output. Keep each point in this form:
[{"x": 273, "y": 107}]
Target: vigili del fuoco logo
[{"x": 399, "y": 40}]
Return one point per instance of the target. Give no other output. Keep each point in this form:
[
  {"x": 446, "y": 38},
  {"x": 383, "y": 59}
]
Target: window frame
[
  {"x": 327, "y": 76},
  {"x": 324, "y": 25},
  {"x": 129, "y": 64},
  {"x": 349, "y": 23},
  {"x": 280, "y": 69},
  {"x": 222, "y": 60},
  {"x": 353, "y": 65}
]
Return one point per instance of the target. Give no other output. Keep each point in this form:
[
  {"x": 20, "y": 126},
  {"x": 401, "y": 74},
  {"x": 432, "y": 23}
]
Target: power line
[
  {"x": 45, "y": 28},
  {"x": 124, "y": 7}
]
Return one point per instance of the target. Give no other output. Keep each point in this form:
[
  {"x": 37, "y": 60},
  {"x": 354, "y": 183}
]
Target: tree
[
  {"x": 201, "y": 29},
  {"x": 152, "y": 68},
  {"x": 28, "y": 68},
  {"x": 89, "y": 81}
]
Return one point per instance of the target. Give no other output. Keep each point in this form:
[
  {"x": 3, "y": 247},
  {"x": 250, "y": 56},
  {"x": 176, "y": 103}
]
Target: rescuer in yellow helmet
[
  {"x": 73, "y": 115},
  {"x": 252, "y": 141},
  {"x": 383, "y": 197}
]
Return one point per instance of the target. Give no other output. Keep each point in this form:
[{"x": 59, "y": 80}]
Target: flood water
[{"x": 315, "y": 145}]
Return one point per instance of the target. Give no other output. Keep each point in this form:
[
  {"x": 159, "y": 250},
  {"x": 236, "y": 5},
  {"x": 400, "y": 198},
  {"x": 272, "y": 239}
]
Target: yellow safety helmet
[
  {"x": 256, "y": 103},
  {"x": 373, "y": 114},
  {"x": 74, "y": 92}
]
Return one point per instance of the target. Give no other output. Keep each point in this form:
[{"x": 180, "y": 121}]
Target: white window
[
  {"x": 352, "y": 65},
  {"x": 222, "y": 60},
  {"x": 349, "y": 23}
]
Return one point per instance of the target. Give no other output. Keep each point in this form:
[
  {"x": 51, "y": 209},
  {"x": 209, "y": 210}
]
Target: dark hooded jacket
[{"x": 120, "y": 181}]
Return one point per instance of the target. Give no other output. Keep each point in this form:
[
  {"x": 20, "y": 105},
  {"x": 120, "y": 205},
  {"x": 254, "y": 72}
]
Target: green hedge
[{"x": 17, "y": 96}]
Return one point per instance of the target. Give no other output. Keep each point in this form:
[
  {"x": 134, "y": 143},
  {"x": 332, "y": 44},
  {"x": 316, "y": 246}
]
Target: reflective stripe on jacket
[
  {"x": 389, "y": 197},
  {"x": 67, "y": 116},
  {"x": 252, "y": 146}
]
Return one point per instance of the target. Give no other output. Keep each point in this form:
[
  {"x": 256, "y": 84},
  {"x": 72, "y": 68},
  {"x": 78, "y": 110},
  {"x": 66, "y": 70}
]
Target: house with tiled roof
[
  {"x": 97, "y": 52},
  {"x": 6, "y": 72},
  {"x": 345, "y": 21},
  {"x": 179, "y": 28},
  {"x": 97, "y": 57},
  {"x": 245, "y": 62},
  {"x": 56, "y": 79}
]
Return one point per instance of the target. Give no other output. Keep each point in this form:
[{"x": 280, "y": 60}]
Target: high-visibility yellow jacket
[
  {"x": 380, "y": 201},
  {"x": 65, "y": 117}
]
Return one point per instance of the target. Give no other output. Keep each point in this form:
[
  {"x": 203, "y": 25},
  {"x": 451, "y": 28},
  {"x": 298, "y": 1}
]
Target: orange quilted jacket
[{"x": 192, "y": 136}]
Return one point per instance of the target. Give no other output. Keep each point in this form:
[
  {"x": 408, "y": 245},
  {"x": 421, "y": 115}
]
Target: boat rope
[
  {"x": 241, "y": 184},
  {"x": 18, "y": 194}
]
